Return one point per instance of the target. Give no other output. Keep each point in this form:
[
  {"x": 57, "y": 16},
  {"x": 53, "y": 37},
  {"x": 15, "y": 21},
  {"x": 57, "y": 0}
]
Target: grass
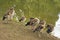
[
  {"x": 43, "y": 9},
  {"x": 18, "y": 31}
]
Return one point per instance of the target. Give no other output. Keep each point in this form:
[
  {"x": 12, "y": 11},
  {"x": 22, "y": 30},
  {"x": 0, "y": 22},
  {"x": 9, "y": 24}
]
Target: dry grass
[{"x": 17, "y": 31}]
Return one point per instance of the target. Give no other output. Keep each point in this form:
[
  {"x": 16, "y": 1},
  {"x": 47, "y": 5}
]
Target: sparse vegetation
[{"x": 18, "y": 31}]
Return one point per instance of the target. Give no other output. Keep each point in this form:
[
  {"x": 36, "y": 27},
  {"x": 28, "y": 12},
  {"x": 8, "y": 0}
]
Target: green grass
[{"x": 43, "y": 9}]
